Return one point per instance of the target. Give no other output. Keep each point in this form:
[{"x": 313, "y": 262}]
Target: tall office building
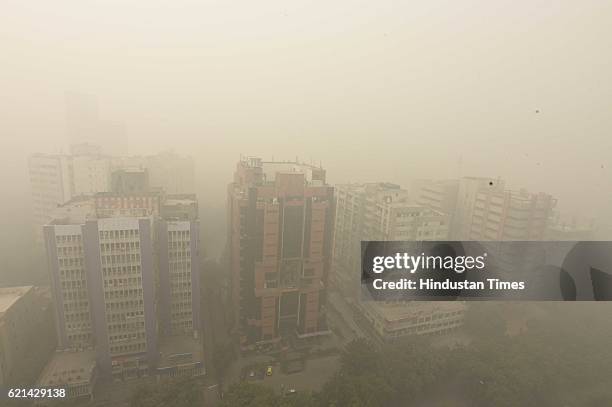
[
  {"x": 174, "y": 173},
  {"x": 178, "y": 239},
  {"x": 377, "y": 211},
  {"x": 279, "y": 245},
  {"x": 500, "y": 214},
  {"x": 110, "y": 271},
  {"x": 515, "y": 216},
  {"x": 51, "y": 183},
  {"x": 467, "y": 194},
  {"x": 439, "y": 195},
  {"x": 103, "y": 278}
]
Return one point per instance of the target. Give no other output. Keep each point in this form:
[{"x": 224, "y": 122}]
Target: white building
[
  {"x": 57, "y": 178},
  {"x": 377, "y": 211},
  {"x": 51, "y": 183},
  {"x": 91, "y": 174},
  {"x": 71, "y": 370}
]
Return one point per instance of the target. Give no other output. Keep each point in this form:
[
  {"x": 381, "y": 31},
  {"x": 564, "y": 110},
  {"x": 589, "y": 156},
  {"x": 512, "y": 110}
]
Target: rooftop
[
  {"x": 10, "y": 295},
  {"x": 69, "y": 367},
  {"x": 75, "y": 211},
  {"x": 397, "y": 311},
  {"x": 180, "y": 349},
  {"x": 313, "y": 174}
]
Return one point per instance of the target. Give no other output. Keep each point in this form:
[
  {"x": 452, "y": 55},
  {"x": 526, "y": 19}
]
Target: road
[{"x": 316, "y": 373}]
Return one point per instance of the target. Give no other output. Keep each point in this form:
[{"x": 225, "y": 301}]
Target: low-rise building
[
  {"x": 71, "y": 370},
  {"x": 390, "y": 321},
  {"x": 179, "y": 356},
  {"x": 25, "y": 341}
]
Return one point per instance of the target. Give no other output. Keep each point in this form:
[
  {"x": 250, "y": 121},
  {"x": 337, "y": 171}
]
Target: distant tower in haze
[{"x": 85, "y": 125}]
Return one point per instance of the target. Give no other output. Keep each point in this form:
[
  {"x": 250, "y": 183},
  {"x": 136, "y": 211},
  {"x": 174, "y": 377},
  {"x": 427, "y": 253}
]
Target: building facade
[
  {"x": 51, "y": 185},
  {"x": 377, "y": 211},
  {"x": 500, "y": 215},
  {"x": 122, "y": 284},
  {"x": 279, "y": 245},
  {"x": 389, "y": 322}
]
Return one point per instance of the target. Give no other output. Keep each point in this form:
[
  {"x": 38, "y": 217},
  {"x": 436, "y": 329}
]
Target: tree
[
  {"x": 170, "y": 392},
  {"x": 249, "y": 394},
  {"x": 222, "y": 357}
]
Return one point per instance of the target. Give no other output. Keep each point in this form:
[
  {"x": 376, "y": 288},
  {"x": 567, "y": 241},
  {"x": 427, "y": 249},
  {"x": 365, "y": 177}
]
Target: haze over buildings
[{"x": 121, "y": 123}]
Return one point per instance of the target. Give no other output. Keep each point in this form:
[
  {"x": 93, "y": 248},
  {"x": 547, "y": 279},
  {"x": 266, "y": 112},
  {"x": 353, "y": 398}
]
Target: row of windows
[
  {"x": 121, "y": 282},
  {"x": 70, "y": 262},
  {"x": 74, "y": 284},
  {"x": 180, "y": 286},
  {"x": 181, "y": 326},
  {"x": 127, "y": 304},
  {"x": 70, "y": 296},
  {"x": 126, "y": 337},
  {"x": 182, "y": 305},
  {"x": 121, "y": 258},
  {"x": 108, "y": 247},
  {"x": 123, "y": 293},
  {"x": 120, "y": 270},
  {"x": 180, "y": 275},
  {"x": 69, "y": 251},
  {"x": 68, "y": 239},
  {"x": 76, "y": 316},
  {"x": 75, "y": 305},
  {"x": 122, "y": 327},
  {"x": 78, "y": 326},
  {"x": 119, "y": 234},
  {"x": 179, "y": 244},
  {"x": 176, "y": 235},
  {"x": 179, "y": 254},
  {"x": 79, "y": 338},
  {"x": 123, "y": 316},
  {"x": 133, "y": 348}
]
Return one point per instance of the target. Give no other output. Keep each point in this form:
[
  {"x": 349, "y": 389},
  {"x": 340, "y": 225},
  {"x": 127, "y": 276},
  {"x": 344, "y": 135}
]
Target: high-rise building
[
  {"x": 178, "y": 244},
  {"x": 516, "y": 216},
  {"x": 51, "y": 184},
  {"x": 377, "y": 211},
  {"x": 469, "y": 188},
  {"x": 110, "y": 271},
  {"x": 439, "y": 195},
  {"x": 103, "y": 279},
  {"x": 279, "y": 245},
  {"x": 174, "y": 173},
  {"x": 500, "y": 215}
]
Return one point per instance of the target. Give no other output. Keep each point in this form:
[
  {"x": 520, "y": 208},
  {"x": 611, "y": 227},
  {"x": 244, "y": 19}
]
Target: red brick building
[{"x": 279, "y": 240}]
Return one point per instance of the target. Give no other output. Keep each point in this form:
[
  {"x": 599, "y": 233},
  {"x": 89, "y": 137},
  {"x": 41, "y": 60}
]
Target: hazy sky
[{"x": 376, "y": 90}]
